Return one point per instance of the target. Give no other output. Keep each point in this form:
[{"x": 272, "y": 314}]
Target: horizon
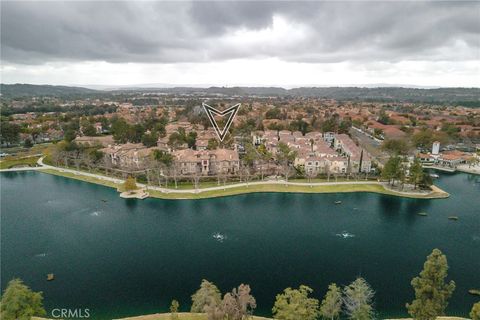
[{"x": 107, "y": 87}]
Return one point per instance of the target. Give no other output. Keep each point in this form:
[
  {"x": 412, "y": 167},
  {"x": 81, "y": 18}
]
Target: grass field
[
  {"x": 23, "y": 157},
  {"x": 12, "y": 162},
  {"x": 376, "y": 188}
]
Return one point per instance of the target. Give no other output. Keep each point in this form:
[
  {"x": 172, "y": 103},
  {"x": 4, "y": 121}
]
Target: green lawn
[
  {"x": 82, "y": 178},
  {"x": 11, "y": 162}
]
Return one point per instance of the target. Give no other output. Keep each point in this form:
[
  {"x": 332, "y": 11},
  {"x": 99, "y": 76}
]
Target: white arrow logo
[{"x": 232, "y": 112}]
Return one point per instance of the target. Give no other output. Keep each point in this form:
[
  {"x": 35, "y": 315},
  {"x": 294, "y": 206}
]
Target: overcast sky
[{"x": 241, "y": 43}]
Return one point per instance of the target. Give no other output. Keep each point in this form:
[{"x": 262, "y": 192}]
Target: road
[{"x": 371, "y": 145}]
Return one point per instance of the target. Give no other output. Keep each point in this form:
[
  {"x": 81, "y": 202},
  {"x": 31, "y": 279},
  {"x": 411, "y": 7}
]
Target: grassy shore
[
  {"x": 70, "y": 175},
  {"x": 375, "y": 188},
  {"x": 23, "y": 157},
  {"x": 13, "y": 162}
]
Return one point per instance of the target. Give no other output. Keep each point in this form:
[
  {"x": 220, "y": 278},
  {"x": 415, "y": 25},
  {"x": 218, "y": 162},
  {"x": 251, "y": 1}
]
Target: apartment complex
[{"x": 207, "y": 162}]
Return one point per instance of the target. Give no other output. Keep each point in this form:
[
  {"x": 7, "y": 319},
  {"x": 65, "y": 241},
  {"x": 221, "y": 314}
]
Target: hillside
[
  {"x": 468, "y": 97},
  {"x": 19, "y": 90}
]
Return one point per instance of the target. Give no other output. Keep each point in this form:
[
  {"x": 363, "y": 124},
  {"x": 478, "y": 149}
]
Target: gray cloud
[{"x": 169, "y": 32}]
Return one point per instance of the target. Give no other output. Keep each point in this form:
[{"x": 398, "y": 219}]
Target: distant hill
[
  {"x": 19, "y": 90},
  {"x": 469, "y": 97}
]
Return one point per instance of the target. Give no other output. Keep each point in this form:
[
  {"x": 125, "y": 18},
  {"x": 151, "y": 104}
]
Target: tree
[
  {"x": 332, "y": 303},
  {"x": 357, "y": 300},
  {"x": 285, "y": 156},
  {"x": 378, "y": 133},
  {"x": 135, "y": 133},
  {"x": 175, "y": 140},
  {"x": 212, "y": 144},
  {"x": 28, "y": 143},
  {"x": 174, "y": 310},
  {"x": 207, "y": 295},
  {"x": 299, "y": 125},
  {"x": 150, "y": 140},
  {"x": 390, "y": 169},
  {"x": 163, "y": 157},
  {"x": 19, "y": 302},
  {"x": 416, "y": 173},
  {"x": 130, "y": 184},
  {"x": 120, "y": 129},
  {"x": 89, "y": 130},
  {"x": 394, "y": 170},
  {"x": 475, "y": 313},
  {"x": 383, "y": 117},
  {"x": 329, "y": 125},
  {"x": 191, "y": 139},
  {"x": 274, "y": 113},
  {"x": 238, "y": 304},
  {"x": 431, "y": 291},
  {"x": 251, "y": 154},
  {"x": 396, "y": 146},
  {"x": 294, "y": 304},
  {"x": 426, "y": 181},
  {"x": 69, "y": 135},
  {"x": 9, "y": 132},
  {"x": 424, "y": 138}
]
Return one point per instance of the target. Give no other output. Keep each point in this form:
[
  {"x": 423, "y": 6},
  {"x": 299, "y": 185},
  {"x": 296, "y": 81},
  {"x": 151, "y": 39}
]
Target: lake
[{"x": 122, "y": 257}]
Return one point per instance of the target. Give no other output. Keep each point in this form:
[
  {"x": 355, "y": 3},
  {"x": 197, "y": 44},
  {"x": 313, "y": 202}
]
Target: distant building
[
  {"x": 329, "y": 137},
  {"x": 91, "y": 141},
  {"x": 436, "y": 148},
  {"x": 128, "y": 155}
]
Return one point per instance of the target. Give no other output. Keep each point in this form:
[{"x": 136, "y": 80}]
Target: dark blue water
[{"x": 130, "y": 257}]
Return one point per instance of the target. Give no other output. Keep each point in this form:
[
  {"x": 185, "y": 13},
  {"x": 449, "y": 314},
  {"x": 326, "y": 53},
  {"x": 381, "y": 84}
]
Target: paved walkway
[{"x": 42, "y": 165}]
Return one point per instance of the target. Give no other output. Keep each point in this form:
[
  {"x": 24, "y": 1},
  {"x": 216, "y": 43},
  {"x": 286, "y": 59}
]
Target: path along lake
[{"x": 129, "y": 257}]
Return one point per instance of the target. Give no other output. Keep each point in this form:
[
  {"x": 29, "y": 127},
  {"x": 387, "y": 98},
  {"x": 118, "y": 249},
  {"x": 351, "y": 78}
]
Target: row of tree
[
  {"x": 397, "y": 169},
  {"x": 354, "y": 301}
]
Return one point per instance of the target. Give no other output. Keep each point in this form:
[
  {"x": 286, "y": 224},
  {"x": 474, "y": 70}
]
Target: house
[
  {"x": 453, "y": 158},
  {"x": 207, "y": 162},
  {"x": 315, "y": 165},
  {"x": 360, "y": 160},
  {"x": 128, "y": 155}
]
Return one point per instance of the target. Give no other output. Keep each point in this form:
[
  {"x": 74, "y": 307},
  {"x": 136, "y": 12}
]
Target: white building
[{"x": 436, "y": 148}]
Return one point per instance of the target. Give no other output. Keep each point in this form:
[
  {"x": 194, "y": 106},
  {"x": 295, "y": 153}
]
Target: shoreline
[{"x": 279, "y": 186}]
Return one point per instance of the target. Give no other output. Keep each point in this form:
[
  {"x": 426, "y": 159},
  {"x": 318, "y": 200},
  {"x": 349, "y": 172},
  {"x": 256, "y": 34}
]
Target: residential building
[{"x": 207, "y": 162}]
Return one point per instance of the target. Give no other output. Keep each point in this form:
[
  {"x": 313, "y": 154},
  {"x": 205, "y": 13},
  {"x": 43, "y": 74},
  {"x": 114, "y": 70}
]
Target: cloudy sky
[{"x": 231, "y": 43}]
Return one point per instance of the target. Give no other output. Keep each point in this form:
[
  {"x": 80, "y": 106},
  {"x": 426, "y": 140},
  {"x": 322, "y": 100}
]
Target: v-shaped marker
[{"x": 232, "y": 112}]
